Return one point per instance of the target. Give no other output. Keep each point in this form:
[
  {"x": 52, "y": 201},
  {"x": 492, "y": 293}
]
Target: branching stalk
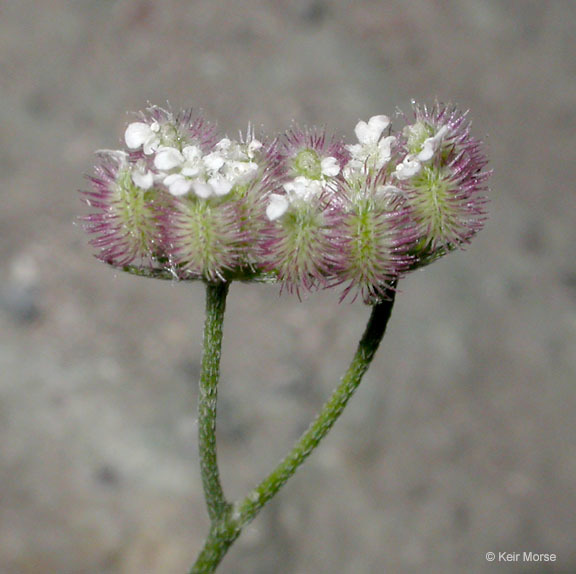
[{"x": 228, "y": 520}]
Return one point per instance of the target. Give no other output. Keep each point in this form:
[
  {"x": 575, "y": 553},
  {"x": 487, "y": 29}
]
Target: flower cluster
[{"x": 303, "y": 208}]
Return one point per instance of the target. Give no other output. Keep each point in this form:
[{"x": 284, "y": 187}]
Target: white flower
[
  {"x": 231, "y": 164},
  {"x": 185, "y": 165},
  {"x": 302, "y": 188},
  {"x": 277, "y": 207},
  {"x": 299, "y": 190},
  {"x": 220, "y": 185},
  {"x": 193, "y": 165},
  {"x": 224, "y": 144},
  {"x": 214, "y": 161},
  {"x": 330, "y": 166},
  {"x": 373, "y": 151},
  {"x": 409, "y": 167},
  {"x": 177, "y": 184},
  {"x": 233, "y": 150},
  {"x": 212, "y": 174},
  {"x": 432, "y": 145},
  {"x": 202, "y": 189},
  {"x": 147, "y": 136},
  {"x": 369, "y": 133},
  {"x": 142, "y": 177},
  {"x": 240, "y": 171},
  {"x": 168, "y": 158}
]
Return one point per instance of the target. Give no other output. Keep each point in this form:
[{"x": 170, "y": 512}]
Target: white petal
[
  {"x": 178, "y": 185},
  {"x": 213, "y": 161},
  {"x": 277, "y": 206},
  {"x": 168, "y": 158},
  {"x": 300, "y": 187},
  {"x": 431, "y": 145},
  {"x": 203, "y": 190},
  {"x": 384, "y": 151},
  {"x": 170, "y": 179},
  {"x": 330, "y": 166},
  {"x": 220, "y": 185},
  {"x": 303, "y": 188},
  {"x": 379, "y": 123},
  {"x": 314, "y": 188},
  {"x": 385, "y": 144},
  {"x": 145, "y": 180},
  {"x": 190, "y": 170},
  {"x": 151, "y": 145},
  {"x": 442, "y": 132},
  {"x": 407, "y": 169},
  {"x": 428, "y": 150},
  {"x": 288, "y": 187},
  {"x": 247, "y": 172},
  {"x": 363, "y": 132},
  {"x": 369, "y": 133},
  {"x": 356, "y": 150},
  {"x": 353, "y": 168},
  {"x": 242, "y": 168},
  {"x": 191, "y": 152},
  {"x": 136, "y": 134}
]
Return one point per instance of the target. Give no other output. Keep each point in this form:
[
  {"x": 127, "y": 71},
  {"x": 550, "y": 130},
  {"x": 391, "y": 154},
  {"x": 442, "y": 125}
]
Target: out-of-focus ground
[{"x": 462, "y": 439}]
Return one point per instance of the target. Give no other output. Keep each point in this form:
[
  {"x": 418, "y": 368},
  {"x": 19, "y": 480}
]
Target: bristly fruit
[
  {"x": 442, "y": 174},
  {"x": 303, "y": 209}
]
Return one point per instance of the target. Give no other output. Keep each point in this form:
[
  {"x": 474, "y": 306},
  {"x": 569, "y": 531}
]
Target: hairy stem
[
  {"x": 228, "y": 520},
  {"x": 210, "y": 374}
]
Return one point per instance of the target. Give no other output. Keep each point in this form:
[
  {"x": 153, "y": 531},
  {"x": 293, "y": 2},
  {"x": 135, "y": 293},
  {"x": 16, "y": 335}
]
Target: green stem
[
  {"x": 229, "y": 520},
  {"x": 219, "y": 539},
  {"x": 210, "y": 374}
]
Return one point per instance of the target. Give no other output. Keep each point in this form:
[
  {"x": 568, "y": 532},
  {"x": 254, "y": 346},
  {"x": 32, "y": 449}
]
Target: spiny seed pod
[
  {"x": 250, "y": 195},
  {"x": 301, "y": 211},
  {"x": 443, "y": 179},
  {"x": 211, "y": 226},
  {"x": 374, "y": 235},
  {"x": 300, "y": 244},
  {"x": 125, "y": 220},
  {"x": 203, "y": 238}
]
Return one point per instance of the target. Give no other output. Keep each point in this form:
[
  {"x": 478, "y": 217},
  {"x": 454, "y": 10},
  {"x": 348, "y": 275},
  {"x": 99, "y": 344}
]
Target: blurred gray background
[{"x": 461, "y": 439}]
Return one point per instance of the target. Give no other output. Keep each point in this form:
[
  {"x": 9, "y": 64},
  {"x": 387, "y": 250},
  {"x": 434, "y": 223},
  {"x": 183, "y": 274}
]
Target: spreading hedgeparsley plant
[{"x": 305, "y": 210}]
